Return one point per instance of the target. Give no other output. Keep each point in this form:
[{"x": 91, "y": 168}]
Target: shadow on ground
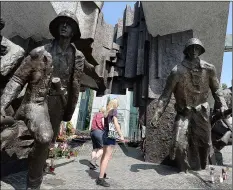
[
  {"x": 92, "y": 173},
  {"x": 160, "y": 169},
  {"x": 57, "y": 166},
  {"x": 17, "y": 181},
  {"x": 63, "y": 164},
  {"x": 85, "y": 162},
  {"x": 131, "y": 152},
  {"x": 206, "y": 182}
]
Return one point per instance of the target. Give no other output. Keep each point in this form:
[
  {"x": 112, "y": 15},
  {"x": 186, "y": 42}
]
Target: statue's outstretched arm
[
  {"x": 217, "y": 93},
  {"x": 164, "y": 99}
]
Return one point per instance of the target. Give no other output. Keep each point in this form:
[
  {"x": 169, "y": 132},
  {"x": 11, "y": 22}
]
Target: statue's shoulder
[
  {"x": 37, "y": 55},
  {"x": 79, "y": 59},
  {"x": 178, "y": 69},
  {"x": 175, "y": 72},
  {"x": 78, "y": 54},
  {"x": 37, "y": 50},
  {"x": 207, "y": 65},
  {"x": 46, "y": 47},
  {"x": 41, "y": 50}
]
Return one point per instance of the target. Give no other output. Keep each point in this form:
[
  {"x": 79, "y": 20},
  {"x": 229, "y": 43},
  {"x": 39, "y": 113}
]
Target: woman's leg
[
  {"x": 97, "y": 140},
  {"x": 103, "y": 155},
  {"x": 93, "y": 156},
  {"x": 94, "y": 151},
  {"x": 105, "y": 159},
  {"x": 99, "y": 153}
]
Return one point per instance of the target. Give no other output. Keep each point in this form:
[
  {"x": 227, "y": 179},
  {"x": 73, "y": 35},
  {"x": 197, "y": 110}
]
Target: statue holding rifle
[{"x": 190, "y": 83}]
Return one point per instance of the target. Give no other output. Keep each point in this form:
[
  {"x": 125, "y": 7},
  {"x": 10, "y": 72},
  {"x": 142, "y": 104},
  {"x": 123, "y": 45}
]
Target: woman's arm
[{"x": 103, "y": 121}]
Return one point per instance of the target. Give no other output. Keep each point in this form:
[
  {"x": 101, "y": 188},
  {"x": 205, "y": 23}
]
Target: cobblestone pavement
[{"x": 124, "y": 172}]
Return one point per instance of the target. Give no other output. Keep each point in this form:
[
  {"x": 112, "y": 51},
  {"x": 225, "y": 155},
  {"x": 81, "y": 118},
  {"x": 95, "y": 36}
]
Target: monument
[
  {"x": 190, "y": 82},
  {"x": 42, "y": 108},
  {"x": 138, "y": 54}
]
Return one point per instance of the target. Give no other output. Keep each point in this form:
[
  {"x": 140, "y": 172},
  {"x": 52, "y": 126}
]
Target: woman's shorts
[
  {"x": 107, "y": 141},
  {"x": 97, "y": 138}
]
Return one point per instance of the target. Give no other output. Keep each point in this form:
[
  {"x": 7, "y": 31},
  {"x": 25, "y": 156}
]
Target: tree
[
  {"x": 90, "y": 102},
  {"x": 224, "y": 86},
  {"x": 108, "y": 100}
]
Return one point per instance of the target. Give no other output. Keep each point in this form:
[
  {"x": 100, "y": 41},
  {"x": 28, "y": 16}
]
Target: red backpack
[{"x": 97, "y": 122}]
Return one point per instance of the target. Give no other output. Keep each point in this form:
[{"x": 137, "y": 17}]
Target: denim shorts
[
  {"x": 108, "y": 141},
  {"x": 97, "y": 138}
]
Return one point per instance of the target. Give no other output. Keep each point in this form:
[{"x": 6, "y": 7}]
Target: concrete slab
[{"x": 208, "y": 20}]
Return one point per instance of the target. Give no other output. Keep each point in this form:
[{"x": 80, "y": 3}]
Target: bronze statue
[
  {"x": 43, "y": 108},
  {"x": 190, "y": 82},
  {"x": 68, "y": 65}
]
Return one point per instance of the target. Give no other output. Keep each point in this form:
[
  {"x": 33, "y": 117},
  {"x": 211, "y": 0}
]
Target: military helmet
[
  {"x": 194, "y": 41},
  {"x": 54, "y": 24}
]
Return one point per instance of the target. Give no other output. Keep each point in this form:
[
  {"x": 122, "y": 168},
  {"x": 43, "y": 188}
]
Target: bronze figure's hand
[
  {"x": 222, "y": 110},
  {"x": 6, "y": 120}
]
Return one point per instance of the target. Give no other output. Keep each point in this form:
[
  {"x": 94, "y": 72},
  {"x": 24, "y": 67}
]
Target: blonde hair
[
  {"x": 102, "y": 109},
  {"x": 112, "y": 104}
]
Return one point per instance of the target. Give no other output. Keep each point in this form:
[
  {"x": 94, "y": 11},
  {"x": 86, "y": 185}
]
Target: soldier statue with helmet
[
  {"x": 190, "y": 82},
  {"x": 43, "y": 108}
]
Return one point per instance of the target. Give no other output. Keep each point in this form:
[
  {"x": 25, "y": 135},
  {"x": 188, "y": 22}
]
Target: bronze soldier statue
[
  {"x": 43, "y": 108},
  {"x": 68, "y": 65},
  {"x": 190, "y": 82}
]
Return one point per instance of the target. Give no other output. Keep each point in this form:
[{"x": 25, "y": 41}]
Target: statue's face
[
  {"x": 65, "y": 28},
  {"x": 194, "y": 51}
]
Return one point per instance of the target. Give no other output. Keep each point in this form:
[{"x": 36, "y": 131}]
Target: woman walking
[
  {"x": 108, "y": 141},
  {"x": 97, "y": 131}
]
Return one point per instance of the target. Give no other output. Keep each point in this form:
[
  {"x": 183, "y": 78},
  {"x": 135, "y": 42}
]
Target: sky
[
  {"x": 226, "y": 76},
  {"x": 114, "y": 10}
]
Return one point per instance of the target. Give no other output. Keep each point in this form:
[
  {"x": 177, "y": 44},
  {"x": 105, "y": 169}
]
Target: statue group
[{"x": 52, "y": 73}]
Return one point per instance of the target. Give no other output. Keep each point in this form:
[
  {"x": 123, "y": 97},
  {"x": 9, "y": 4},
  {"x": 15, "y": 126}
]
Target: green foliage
[
  {"x": 224, "y": 86},
  {"x": 69, "y": 128},
  {"x": 59, "y": 153},
  {"x": 90, "y": 102},
  {"x": 108, "y": 100}
]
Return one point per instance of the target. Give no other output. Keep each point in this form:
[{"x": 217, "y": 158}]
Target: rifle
[{"x": 219, "y": 115}]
